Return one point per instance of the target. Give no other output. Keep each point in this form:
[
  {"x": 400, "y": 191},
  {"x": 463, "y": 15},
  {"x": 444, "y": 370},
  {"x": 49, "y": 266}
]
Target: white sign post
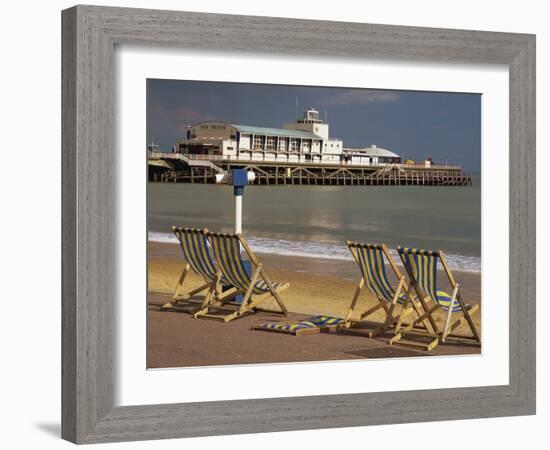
[{"x": 239, "y": 179}]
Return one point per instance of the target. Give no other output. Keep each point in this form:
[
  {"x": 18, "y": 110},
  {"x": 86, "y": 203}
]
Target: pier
[{"x": 179, "y": 168}]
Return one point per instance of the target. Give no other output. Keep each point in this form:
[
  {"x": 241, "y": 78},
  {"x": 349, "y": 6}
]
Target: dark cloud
[{"x": 359, "y": 97}]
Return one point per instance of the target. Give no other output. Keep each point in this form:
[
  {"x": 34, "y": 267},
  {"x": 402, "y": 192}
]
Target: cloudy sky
[{"x": 416, "y": 125}]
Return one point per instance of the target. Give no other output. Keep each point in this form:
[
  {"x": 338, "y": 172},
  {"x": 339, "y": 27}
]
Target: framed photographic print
[{"x": 296, "y": 233}]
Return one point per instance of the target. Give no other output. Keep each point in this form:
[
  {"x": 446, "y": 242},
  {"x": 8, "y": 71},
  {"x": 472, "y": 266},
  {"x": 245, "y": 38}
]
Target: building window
[
  {"x": 294, "y": 145},
  {"x": 282, "y": 144},
  {"x": 270, "y": 143},
  {"x": 258, "y": 142}
]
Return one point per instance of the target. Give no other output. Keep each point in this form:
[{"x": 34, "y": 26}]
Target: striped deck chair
[
  {"x": 311, "y": 325},
  {"x": 256, "y": 287},
  {"x": 371, "y": 260},
  {"x": 421, "y": 266},
  {"x": 197, "y": 255}
]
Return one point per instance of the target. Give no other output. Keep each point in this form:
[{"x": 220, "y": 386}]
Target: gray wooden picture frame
[{"x": 90, "y": 34}]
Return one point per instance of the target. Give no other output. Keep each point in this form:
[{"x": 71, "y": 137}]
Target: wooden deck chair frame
[
  {"x": 389, "y": 305},
  {"x": 206, "y": 270},
  {"x": 228, "y": 261},
  {"x": 430, "y": 305}
]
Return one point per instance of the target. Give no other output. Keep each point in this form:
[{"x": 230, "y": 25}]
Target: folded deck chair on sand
[
  {"x": 371, "y": 259},
  {"x": 421, "y": 267},
  {"x": 197, "y": 255},
  {"x": 255, "y": 285},
  {"x": 311, "y": 325}
]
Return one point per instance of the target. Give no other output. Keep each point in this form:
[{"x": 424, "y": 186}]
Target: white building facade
[
  {"x": 306, "y": 140},
  {"x": 371, "y": 155}
]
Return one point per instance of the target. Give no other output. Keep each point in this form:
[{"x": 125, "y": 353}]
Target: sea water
[{"x": 316, "y": 221}]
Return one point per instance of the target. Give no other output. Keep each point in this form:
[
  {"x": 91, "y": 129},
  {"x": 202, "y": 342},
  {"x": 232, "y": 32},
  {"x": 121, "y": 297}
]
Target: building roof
[
  {"x": 372, "y": 150},
  {"x": 276, "y": 132}
]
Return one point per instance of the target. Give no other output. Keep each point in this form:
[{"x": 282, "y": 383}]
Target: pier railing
[
  {"x": 186, "y": 159},
  {"x": 201, "y": 169},
  {"x": 303, "y": 161}
]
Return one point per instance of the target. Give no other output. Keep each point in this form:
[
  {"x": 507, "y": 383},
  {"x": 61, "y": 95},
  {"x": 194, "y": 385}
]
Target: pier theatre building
[{"x": 306, "y": 140}]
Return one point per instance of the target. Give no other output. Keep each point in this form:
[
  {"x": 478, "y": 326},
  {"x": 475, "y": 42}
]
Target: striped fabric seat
[
  {"x": 227, "y": 251},
  {"x": 444, "y": 300},
  {"x": 198, "y": 258},
  {"x": 196, "y": 252},
  {"x": 422, "y": 265},
  {"x": 253, "y": 283},
  {"x": 371, "y": 263},
  {"x": 261, "y": 286},
  {"x": 422, "y": 268},
  {"x": 394, "y": 301},
  {"x": 311, "y": 324}
]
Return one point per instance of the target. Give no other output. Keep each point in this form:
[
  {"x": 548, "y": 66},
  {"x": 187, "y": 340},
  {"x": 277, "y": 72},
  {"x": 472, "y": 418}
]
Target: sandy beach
[{"x": 317, "y": 286}]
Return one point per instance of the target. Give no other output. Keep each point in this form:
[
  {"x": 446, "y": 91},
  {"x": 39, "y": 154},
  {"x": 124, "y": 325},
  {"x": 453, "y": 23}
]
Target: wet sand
[{"x": 317, "y": 286}]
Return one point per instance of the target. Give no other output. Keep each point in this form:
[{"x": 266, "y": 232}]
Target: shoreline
[{"x": 324, "y": 250}]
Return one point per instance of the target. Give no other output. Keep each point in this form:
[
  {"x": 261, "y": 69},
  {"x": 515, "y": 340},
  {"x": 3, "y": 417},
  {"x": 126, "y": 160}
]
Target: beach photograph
[{"x": 303, "y": 223}]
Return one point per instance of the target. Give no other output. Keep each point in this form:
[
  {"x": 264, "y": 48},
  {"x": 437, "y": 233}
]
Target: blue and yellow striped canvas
[
  {"x": 422, "y": 265},
  {"x": 196, "y": 252},
  {"x": 444, "y": 300},
  {"x": 310, "y": 323},
  {"x": 373, "y": 269},
  {"x": 227, "y": 251}
]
